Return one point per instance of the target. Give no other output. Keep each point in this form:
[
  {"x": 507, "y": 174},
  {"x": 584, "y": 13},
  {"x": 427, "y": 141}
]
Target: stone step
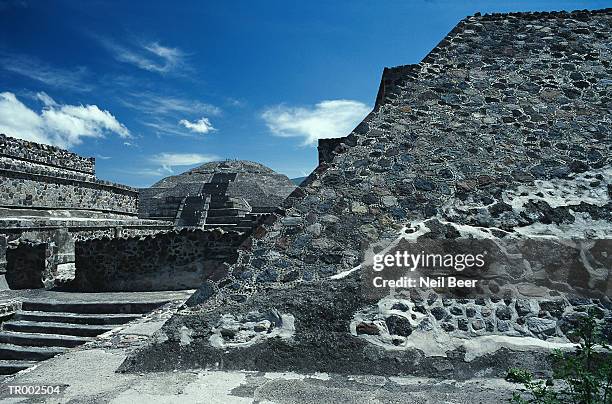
[
  {"x": 224, "y": 212},
  {"x": 81, "y": 330},
  {"x": 9, "y": 367},
  {"x": 228, "y": 227},
  {"x": 214, "y": 188},
  {"x": 246, "y": 223},
  {"x": 92, "y": 307},
  {"x": 37, "y": 339},
  {"x": 29, "y": 353},
  {"x": 75, "y": 318},
  {"x": 221, "y": 204},
  {"x": 223, "y": 219}
]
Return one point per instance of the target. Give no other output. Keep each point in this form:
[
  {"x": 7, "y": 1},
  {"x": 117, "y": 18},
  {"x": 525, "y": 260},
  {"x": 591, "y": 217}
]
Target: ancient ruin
[
  {"x": 501, "y": 133},
  {"x": 61, "y": 228},
  {"x": 230, "y": 194},
  {"x": 51, "y": 196}
]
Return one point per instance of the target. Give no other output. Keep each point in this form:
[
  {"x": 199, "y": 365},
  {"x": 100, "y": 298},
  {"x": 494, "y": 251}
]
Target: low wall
[
  {"x": 27, "y": 190},
  {"x": 63, "y": 237},
  {"x": 168, "y": 261}
]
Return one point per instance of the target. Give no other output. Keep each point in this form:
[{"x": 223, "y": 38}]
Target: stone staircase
[
  {"x": 192, "y": 211},
  {"x": 43, "y": 329},
  {"x": 210, "y": 207},
  {"x": 230, "y": 214}
]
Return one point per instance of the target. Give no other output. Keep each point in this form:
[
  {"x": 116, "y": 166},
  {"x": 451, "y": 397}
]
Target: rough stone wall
[
  {"x": 26, "y": 151},
  {"x": 34, "y": 191},
  {"x": 505, "y": 105},
  {"x": 63, "y": 237},
  {"x": 168, "y": 261},
  {"x": 12, "y": 164},
  {"x": 34, "y": 175},
  {"x": 52, "y": 196}
]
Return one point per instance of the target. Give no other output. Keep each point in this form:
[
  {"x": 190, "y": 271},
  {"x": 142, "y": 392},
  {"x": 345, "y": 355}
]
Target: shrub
[{"x": 585, "y": 375}]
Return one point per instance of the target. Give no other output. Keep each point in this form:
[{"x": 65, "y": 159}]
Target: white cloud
[
  {"x": 45, "y": 99},
  {"x": 34, "y": 69},
  {"x": 59, "y": 125},
  {"x": 152, "y": 56},
  {"x": 169, "y": 160},
  {"x": 200, "y": 126},
  {"x": 328, "y": 119}
]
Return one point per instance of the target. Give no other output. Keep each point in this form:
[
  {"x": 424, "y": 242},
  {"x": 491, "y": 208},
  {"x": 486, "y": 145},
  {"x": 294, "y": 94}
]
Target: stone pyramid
[{"x": 501, "y": 131}]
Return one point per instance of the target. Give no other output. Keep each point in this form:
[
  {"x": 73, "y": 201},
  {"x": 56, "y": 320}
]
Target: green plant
[
  {"x": 518, "y": 375},
  {"x": 585, "y": 375}
]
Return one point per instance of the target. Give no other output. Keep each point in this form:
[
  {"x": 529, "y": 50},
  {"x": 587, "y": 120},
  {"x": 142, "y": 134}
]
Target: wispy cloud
[
  {"x": 202, "y": 125},
  {"x": 327, "y": 119},
  {"x": 171, "y": 115},
  {"x": 57, "y": 124},
  {"x": 163, "y": 127},
  {"x": 154, "y": 104},
  {"x": 150, "y": 56},
  {"x": 167, "y": 161},
  {"x": 234, "y": 102},
  {"x": 35, "y": 69},
  {"x": 150, "y": 172}
]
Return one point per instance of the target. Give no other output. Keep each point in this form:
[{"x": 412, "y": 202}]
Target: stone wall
[
  {"x": 50, "y": 195},
  {"x": 488, "y": 115},
  {"x": 63, "y": 236},
  {"x": 26, "y": 151},
  {"x": 20, "y": 190},
  {"x": 34, "y": 168},
  {"x": 37, "y": 176},
  {"x": 169, "y": 261}
]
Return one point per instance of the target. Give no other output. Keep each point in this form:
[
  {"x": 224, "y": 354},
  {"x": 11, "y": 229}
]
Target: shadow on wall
[
  {"x": 175, "y": 260},
  {"x": 30, "y": 266}
]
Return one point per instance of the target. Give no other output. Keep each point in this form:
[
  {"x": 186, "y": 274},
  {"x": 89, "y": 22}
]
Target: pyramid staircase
[
  {"x": 213, "y": 208},
  {"x": 192, "y": 211},
  {"x": 43, "y": 329}
]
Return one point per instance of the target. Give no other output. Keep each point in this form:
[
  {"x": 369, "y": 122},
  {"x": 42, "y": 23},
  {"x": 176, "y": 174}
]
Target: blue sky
[{"x": 153, "y": 88}]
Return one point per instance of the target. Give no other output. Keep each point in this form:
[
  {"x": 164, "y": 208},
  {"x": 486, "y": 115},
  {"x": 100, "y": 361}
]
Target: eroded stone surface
[{"x": 252, "y": 328}]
